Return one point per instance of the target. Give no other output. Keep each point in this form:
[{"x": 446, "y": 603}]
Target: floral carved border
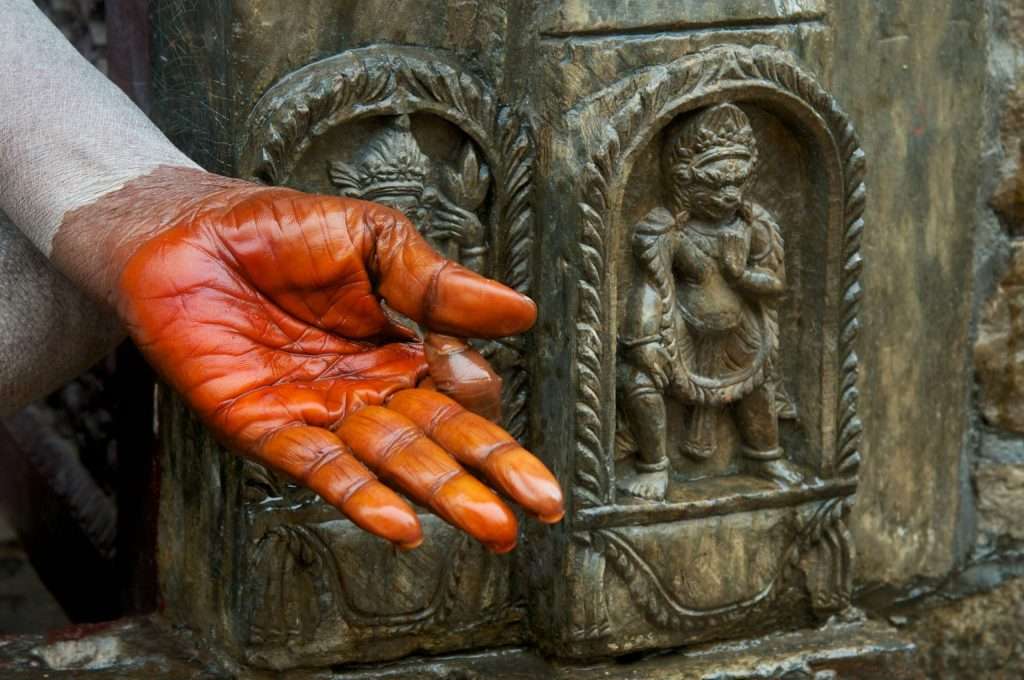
[{"x": 641, "y": 104}]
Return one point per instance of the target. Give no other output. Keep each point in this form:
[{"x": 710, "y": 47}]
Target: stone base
[
  {"x": 149, "y": 649},
  {"x": 858, "y": 651},
  {"x": 979, "y": 636}
]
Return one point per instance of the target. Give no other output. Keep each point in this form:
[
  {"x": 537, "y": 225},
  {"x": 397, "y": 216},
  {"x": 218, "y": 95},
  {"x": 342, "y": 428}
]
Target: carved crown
[
  {"x": 390, "y": 164},
  {"x": 721, "y": 131}
]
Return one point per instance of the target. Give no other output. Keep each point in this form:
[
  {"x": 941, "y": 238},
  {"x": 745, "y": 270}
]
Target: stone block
[
  {"x": 999, "y": 350},
  {"x": 1000, "y": 499},
  {"x": 981, "y": 636}
]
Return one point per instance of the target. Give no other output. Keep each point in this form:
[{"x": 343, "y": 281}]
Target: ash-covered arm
[
  {"x": 49, "y": 330},
  {"x": 68, "y": 136}
]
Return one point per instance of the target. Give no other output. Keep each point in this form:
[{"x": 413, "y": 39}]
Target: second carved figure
[{"x": 701, "y": 323}]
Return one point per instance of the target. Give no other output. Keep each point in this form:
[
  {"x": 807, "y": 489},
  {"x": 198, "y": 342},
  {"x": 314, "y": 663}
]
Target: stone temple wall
[
  {"x": 970, "y": 624},
  {"x": 936, "y": 91}
]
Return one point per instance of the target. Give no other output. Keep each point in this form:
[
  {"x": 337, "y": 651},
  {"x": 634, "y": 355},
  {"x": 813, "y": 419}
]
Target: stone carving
[
  {"x": 467, "y": 191},
  {"x": 660, "y": 95},
  {"x": 721, "y": 553},
  {"x": 685, "y": 308},
  {"x": 393, "y": 170},
  {"x": 999, "y": 363},
  {"x": 701, "y": 325}
]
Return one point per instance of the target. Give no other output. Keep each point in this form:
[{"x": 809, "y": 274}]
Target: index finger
[{"x": 436, "y": 292}]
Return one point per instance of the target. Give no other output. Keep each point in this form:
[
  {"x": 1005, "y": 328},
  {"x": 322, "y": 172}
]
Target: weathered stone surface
[
  {"x": 598, "y": 90},
  {"x": 862, "y": 651},
  {"x": 999, "y": 351},
  {"x": 25, "y": 605},
  {"x": 1008, "y": 198},
  {"x": 1000, "y": 499},
  {"x": 589, "y": 17},
  {"x": 912, "y": 76},
  {"x": 130, "y": 649},
  {"x": 147, "y": 649},
  {"x": 981, "y": 636},
  {"x": 286, "y": 582}
]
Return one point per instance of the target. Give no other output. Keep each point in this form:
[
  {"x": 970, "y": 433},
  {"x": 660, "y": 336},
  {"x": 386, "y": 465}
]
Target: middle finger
[
  {"x": 482, "y": 445},
  {"x": 398, "y": 451}
]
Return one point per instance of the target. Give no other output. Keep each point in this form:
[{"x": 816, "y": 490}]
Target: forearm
[
  {"x": 68, "y": 138},
  {"x": 760, "y": 282},
  {"x": 49, "y": 330}
]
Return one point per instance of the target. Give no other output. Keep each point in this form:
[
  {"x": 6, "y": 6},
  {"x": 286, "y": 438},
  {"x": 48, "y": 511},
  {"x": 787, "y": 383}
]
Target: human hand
[
  {"x": 456, "y": 223},
  {"x": 262, "y": 307},
  {"x": 653, "y": 359},
  {"x": 734, "y": 254}
]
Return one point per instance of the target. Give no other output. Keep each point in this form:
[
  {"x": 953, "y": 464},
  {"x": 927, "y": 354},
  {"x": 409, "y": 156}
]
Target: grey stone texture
[
  {"x": 913, "y": 76},
  {"x": 999, "y": 349},
  {"x": 979, "y": 636},
  {"x": 933, "y": 90}
]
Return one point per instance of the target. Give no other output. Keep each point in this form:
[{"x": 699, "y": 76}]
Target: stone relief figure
[
  {"x": 441, "y": 200},
  {"x": 701, "y": 325}
]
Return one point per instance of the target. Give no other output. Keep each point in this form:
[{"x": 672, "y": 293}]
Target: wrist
[{"x": 95, "y": 242}]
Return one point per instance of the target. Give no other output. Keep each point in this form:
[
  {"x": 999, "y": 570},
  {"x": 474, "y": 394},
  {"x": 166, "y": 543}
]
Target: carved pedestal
[{"x": 684, "y": 201}]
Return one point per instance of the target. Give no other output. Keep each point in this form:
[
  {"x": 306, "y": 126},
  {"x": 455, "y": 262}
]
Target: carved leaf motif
[
  {"x": 826, "y": 557},
  {"x": 344, "y": 177},
  {"x": 467, "y": 182}
]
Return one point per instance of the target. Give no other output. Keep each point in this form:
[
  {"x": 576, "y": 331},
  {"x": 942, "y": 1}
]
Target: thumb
[{"x": 439, "y": 294}]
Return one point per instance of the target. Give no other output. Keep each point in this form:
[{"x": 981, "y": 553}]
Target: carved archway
[{"x": 643, "y": 104}]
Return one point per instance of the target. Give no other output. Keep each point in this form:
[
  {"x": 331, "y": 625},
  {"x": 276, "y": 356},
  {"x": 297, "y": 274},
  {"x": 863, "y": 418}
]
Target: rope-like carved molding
[{"x": 641, "y": 105}]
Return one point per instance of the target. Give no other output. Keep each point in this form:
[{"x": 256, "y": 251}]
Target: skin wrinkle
[
  {"x": 353, "y": 489},
  {"x": 326, "y": 458},
  {"x": 138, "y": 210},
  {"x": 497, "y": 449},
  {"x": 430, "y": 299},
  {"x": 441, "y": 416},
  {"x": 393, "y": 445},
  {"x": 442, "y": 481}
]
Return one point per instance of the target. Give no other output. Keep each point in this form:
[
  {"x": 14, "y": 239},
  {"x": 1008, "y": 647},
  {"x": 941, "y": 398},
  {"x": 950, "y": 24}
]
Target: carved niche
[
  {"x": 407, "y": 127},
  {"x": 716, "y": 428}
]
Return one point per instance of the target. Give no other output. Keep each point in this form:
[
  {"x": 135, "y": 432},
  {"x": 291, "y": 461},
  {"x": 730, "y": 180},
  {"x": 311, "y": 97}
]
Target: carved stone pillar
[{"x": 676, "y": 187}]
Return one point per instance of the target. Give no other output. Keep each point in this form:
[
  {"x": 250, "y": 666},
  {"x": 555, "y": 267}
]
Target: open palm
[{"x": 264, "y": 310}]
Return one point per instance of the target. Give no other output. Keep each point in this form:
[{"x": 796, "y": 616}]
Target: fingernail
[
  {"x": 495, "y": 310},
  {"x": 381, "y": 511},
  {"x": 502, "y": 549},
  {"x": 468, "y": 504},
  {"x": 525, "y": 478},
  {"x": 461, "y": 373}
]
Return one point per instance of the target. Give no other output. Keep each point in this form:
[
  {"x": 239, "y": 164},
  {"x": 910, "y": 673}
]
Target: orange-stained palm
[{"x": 263, "y": 308}]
